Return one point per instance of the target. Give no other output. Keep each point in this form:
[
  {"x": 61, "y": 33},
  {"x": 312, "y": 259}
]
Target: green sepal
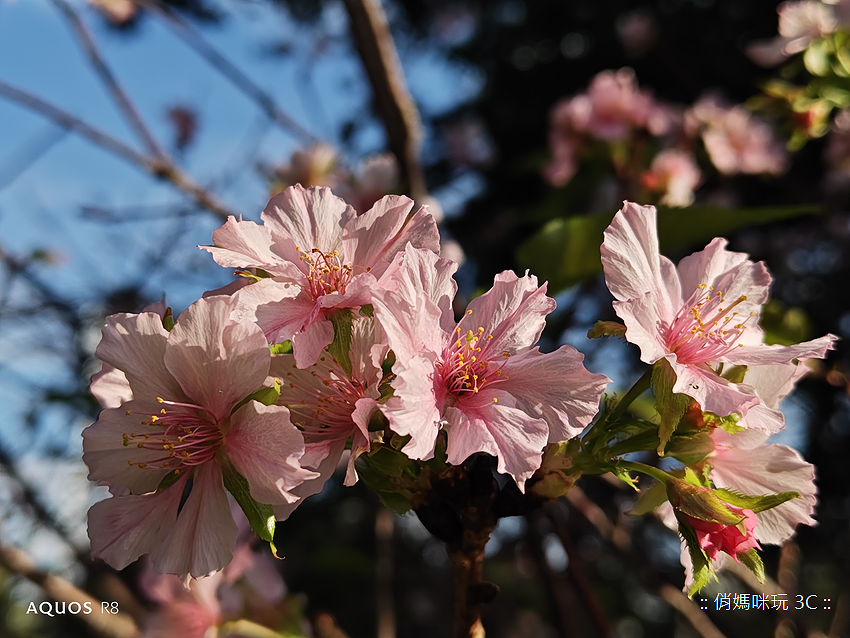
[
  {"x": 168, "y": 480},
  {"x": 340, "y": 348},
  {"x": 281, "y": 348},
  {"x": 266, "y": 396},
  {"x": 168, "y": 319},
  {"x": 378, "y": 422},
  {"x": 755, "y": 503},
  {"x": 690, "y": 449},
  {"x": 735, "y": 374},
  {"x": 726, "y": 423},
  {"x": 606, "y": 329},
  {"x": 752, "y": 560},
  {"x": 260, "y": 516},
  {"x": 386, "y": 391},
  {"x": 699, "y": 559},
  {"x": 650, "y": 499},
  {"x": 623, "y": 474},
  {"x": 367, "y": 310},
  {"x": 671, "y": 407},
  {"x": 700, "y": 502}
]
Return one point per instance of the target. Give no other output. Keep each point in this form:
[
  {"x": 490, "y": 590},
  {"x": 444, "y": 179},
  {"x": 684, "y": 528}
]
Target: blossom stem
[
  {"x": 643, "y": 468},
  {"x": 640, "y": 386}
]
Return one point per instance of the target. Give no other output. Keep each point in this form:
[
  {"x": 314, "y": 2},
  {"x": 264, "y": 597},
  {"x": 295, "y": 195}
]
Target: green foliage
[
  {"x": 260, "y": 515},
  {"x": 699, "y": 559},
  {"x": 671, "y": 407},
  {"x": 281, "y": 348},
  {"x": 752, "y": 560},
  {"x": 168, "y": 319},
  {"x": 606, "y": 329},
  {"x": 340, "y": 348},
  {"x": 700, "y": 502},
  {"x": 755, "y": 503},
  {"x": 783, "y": 325},
  {"x": 168, "y": 480},
  {"x": 566, "y": 251}
]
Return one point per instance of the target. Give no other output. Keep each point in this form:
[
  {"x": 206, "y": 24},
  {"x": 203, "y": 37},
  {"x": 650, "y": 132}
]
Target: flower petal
[
  {"x": 500, "y": 429},
  {"x": 201, "y": 541},
  {"x": 108, "y": 458},
  {"x": 642, "y": 326},
  {"x": 217, "y": 361},
  {"x": 324, "y": 458},
  {"x": 308, "y": 344},
  {"x": 414, "y": 408},
  {"x": 712, "y": 392},
  {"x": 555, "y": 387},
  {"x": 759, "y": 355},
  {"x": 513, "y": 311},
  {"x": 306, "y": 218},
  {"x": 110, "y": 387},
  {"x": 770, "y": 469},
  {"x": 122, "y": 528},
  {"x": 632, "y": 262},
  {"x": 265, "y": 447},
  {"x": 243, "y": 244},
  {"x": 135, "y": 344}
]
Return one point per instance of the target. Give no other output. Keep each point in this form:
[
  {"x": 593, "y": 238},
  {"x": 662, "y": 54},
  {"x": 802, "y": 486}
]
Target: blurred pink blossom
[
  {"x": 737, "y": 141},
  {"x": 800, "y": 24},
  {"x": 675, "y": 175}
]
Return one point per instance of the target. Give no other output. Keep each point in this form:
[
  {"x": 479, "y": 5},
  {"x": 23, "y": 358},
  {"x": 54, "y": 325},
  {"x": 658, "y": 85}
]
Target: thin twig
[
  {"x": 399, "y": 114},
  {"x": 118, "y": 625},
  {"x": 689, "y": 609},
  {"x": 195, "y": 40},
  {"x": 156, "y": 167},
  {"x": 122, "y": 100}
]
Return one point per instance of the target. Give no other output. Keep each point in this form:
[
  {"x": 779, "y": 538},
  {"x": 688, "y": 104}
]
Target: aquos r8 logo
[{"x": 57, "y": 609}]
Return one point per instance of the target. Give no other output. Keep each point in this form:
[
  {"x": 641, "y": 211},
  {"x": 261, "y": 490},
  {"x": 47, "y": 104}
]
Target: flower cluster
[{"x": 340, "y": 321}]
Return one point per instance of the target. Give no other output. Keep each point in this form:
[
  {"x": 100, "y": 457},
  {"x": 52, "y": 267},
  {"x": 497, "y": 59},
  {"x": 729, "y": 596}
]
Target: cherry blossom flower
[
  {"x": 736, "y": 141},
  {"x": 322, "y": 256},
  {"x": 186, "y": 417},
  {"x": 675, "y": 174},
  {"x": 800, "y": 24},
  {"x": 329, "y": 407},
  {"x": 481, "y": 379},
  {"x": 716, "y": 537},
  {"x": 612, "y": 106},
  {"x": 700, "y": 316}
]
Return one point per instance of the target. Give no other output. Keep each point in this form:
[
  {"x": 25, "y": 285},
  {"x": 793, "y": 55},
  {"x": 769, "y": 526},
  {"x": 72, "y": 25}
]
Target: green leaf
[
  {"x": 690, "y": 449},
  {"x": 700, "y": 502},
  {"x": 671, "y": 407},
  {"x": 281, "y": 348},
  {"x": 756, "y": 503},
  {"x": 340, "y": 348},
  {"x": 783, "y": 325},
  {"x": 367, "y": 310},
  {"x": 168, "y": 319},
  {"x": 606, "y": 329},
  {"x": 699, "y": 559},
  {"x": 650, "y": 499},
  {"x": 566, "y": 251},
  {"x": 260, "y": 515},
  {"x": 168, "y": 480},
  {"x": 623, "y": 474},
  {"x": 752, "y": 560},
  {"x": 727, "y": 423},
  {"x": 735, "y": 374},
  {"x": 266, "y": 396},
  {"x": 816, "y": 58}
]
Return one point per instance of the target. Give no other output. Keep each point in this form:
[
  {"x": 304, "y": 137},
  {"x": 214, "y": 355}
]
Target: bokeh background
[{"x": 229, "y": 101}]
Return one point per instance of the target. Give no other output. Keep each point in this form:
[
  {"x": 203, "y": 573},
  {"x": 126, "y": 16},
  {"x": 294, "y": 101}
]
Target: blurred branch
[
  {"x": 122, "y": 100},
  {"x": 203, "y": 48},
  {"x": 117, "y": 625},
  {"x": 620, "y": 540},
  {"x": 156, "y": 167},
  {"x": 377, "y": 50},
  {"x": 29, "y": 155},
  {"x": 384, "y": 524}
]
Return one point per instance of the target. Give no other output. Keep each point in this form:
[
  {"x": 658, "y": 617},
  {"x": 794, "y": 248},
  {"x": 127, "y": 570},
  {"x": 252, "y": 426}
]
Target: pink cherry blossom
[
  {"x": 329, "y": 407},
  {"x": 612, "y": 106},
  {"x": 700, "y": 316},
  {"x": 481, "y": 379},
  {"x": 737, "y": 141},
  {"x": 716, "y": 537},
  {"x": 322, "y": 256},
  {"x": 800, "y": 24},
  {"x": 675, "y": 175},
  {"x": 186, "y": 385}
]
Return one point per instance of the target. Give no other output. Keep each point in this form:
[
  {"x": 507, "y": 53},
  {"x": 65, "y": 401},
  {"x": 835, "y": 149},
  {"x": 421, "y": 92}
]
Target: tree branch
[
  {"x": 193, "y": 38},
  {"x": 122, "y": 100},
  {"x": 117, "y": 625},
  {"x": 399, "y": 114},
  {"x": 156, "y": 167}
]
